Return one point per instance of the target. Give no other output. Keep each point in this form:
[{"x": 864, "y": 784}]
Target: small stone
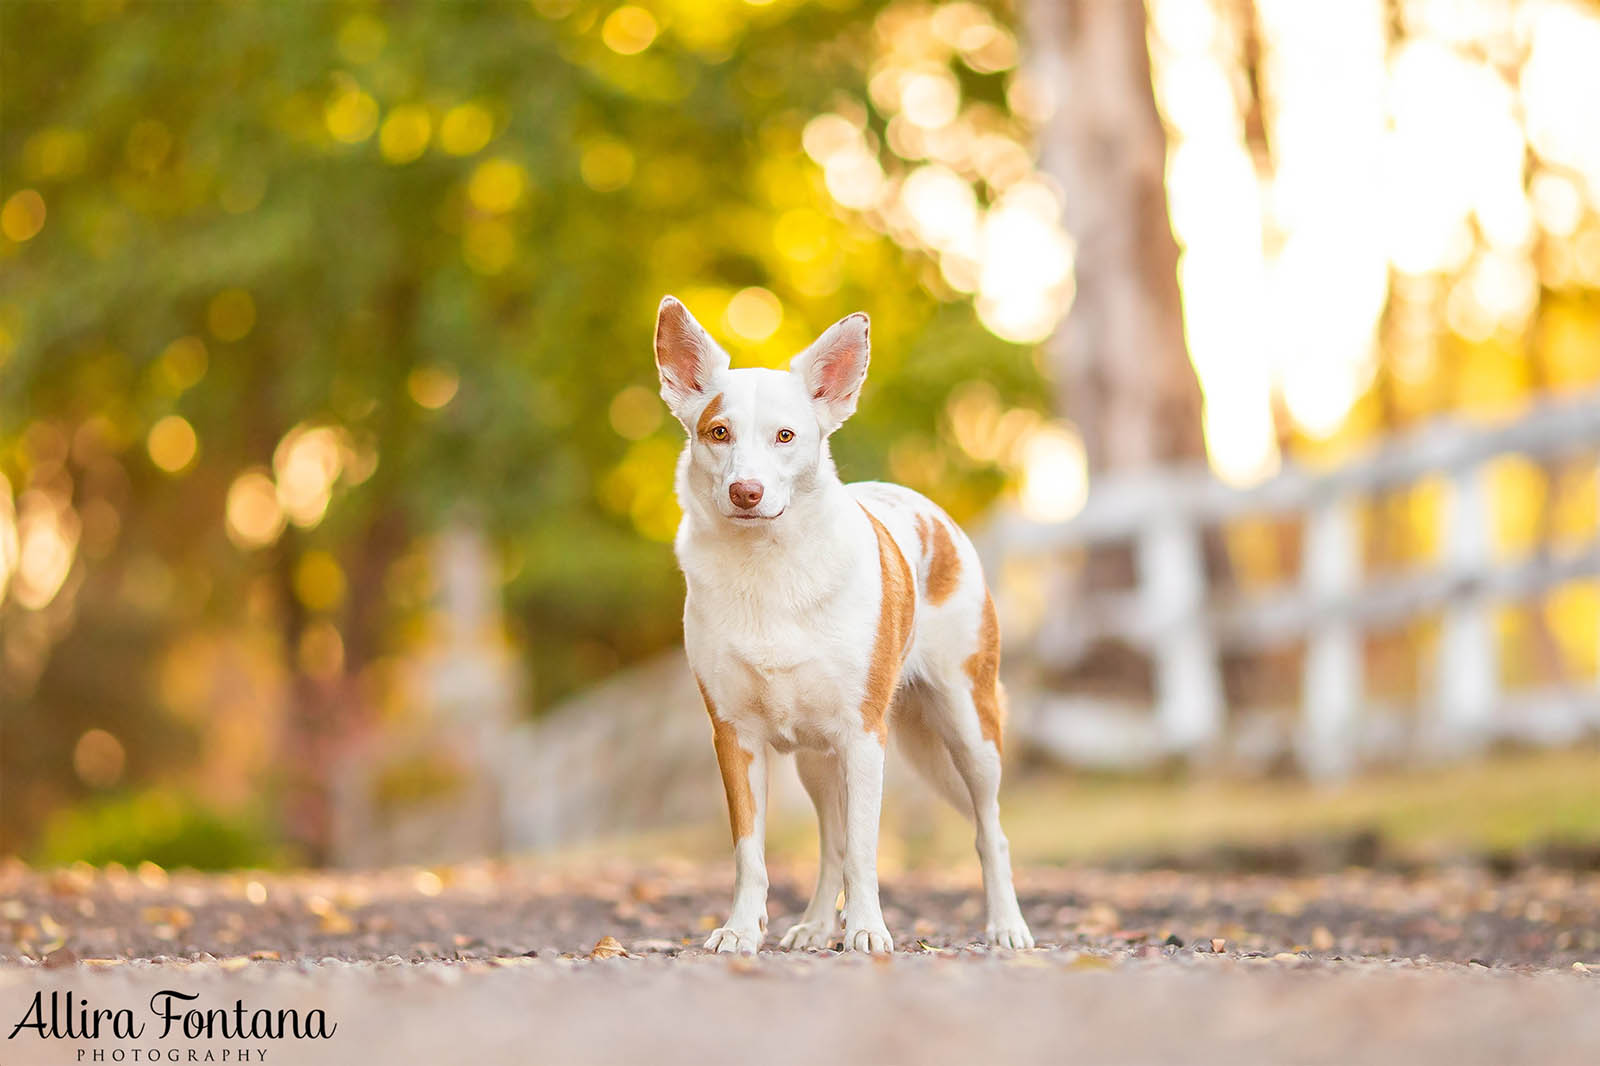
[
  {"x": 1174, "y": 941},
  {"x": 1580, "y": 967},
  {"x": 1218, "y": 944}
]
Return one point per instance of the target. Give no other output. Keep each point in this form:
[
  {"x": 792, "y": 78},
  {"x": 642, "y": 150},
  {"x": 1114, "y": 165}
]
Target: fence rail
[{"x": 1184, "y": 626}]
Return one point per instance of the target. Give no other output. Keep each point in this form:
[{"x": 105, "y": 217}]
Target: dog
[{"x": 820, "y": 617}]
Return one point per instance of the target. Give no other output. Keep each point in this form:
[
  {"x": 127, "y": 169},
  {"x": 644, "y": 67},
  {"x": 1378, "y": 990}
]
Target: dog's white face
[{"x": 757, "y": 437}]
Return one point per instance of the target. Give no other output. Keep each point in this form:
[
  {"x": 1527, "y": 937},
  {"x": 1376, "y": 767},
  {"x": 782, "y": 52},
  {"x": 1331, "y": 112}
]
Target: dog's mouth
[{"x": 756, "y": 517}]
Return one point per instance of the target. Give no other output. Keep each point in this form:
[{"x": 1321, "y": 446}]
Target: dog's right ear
[{"x": 686, "y": 357}]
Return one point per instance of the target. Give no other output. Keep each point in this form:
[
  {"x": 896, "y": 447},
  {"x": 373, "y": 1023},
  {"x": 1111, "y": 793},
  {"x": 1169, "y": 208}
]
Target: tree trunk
[{"x": 1121, "y": 365}]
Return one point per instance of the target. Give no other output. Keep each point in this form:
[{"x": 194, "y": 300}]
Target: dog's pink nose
[{"x": 745, "y": 494}]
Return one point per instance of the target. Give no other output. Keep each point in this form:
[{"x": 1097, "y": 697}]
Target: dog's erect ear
[
  {"x": 686, "y": 356},
  {"x": 834, "y": 367}
]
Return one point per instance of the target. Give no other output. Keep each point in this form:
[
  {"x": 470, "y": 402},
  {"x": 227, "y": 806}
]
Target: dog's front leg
[
  {"x": 743, "y": 761},
  {"x": 864, "y": 929}
]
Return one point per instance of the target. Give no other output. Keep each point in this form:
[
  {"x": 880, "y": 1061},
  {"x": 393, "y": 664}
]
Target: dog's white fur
[{"x": 783, "y": 616}]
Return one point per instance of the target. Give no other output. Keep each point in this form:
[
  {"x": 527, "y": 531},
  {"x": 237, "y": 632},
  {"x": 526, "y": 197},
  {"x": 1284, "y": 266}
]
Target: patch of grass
[{"x": 1502, "y": 803}]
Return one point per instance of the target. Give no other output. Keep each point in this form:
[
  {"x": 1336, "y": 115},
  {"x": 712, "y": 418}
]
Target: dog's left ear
[{"x": 834, "y": 368}]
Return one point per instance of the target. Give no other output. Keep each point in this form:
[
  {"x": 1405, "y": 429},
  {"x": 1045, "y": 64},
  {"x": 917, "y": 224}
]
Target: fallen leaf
[
  {"x": 607, "y": 947},
  {"x": 1219, "y": 944},
  {"x": 1091, "y": 962}
]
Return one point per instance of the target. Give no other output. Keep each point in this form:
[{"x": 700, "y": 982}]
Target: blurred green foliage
[
  {"x": 167, "y": 828},
  {"x": 442, "y": 229}
]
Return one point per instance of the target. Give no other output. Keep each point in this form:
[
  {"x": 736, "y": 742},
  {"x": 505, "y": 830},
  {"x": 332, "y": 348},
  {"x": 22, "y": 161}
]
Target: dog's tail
[{"x": 925, "y": 749}]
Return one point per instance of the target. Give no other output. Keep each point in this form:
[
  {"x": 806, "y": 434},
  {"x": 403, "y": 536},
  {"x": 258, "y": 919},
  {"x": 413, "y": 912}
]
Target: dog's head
[{"x": 757, "y": 437}]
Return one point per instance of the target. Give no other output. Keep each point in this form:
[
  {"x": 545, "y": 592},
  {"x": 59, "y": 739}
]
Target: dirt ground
[{"x": 497, "y": 962}]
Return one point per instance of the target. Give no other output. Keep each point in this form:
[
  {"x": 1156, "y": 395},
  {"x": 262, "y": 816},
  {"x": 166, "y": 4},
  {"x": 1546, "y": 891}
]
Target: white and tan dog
[{"x": 820, "y": 616}]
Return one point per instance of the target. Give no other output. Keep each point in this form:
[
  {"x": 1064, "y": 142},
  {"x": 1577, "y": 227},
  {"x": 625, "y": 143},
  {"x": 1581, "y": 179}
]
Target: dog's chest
[{"x": 785, "y": 674}]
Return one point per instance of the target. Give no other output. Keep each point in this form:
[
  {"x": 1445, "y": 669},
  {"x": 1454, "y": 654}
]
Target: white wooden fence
[{"x": 1185, "y": 627}]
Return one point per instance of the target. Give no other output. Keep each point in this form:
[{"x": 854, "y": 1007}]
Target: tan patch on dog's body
[
  {"x": 896, "y": 611},
  {"x": 983, "y": 667},
  {"x": 708, "y": 418},
  {"x": 944, "y": 565},
  {"x": 734, "y": 762}
]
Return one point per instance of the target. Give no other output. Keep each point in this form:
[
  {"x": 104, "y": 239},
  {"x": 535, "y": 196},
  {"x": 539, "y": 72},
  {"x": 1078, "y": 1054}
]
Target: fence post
[
  {"x": 1172, "y": 589},
  {"x": 1333, "y": 680},
  {"x": 1467, "y": 672}
]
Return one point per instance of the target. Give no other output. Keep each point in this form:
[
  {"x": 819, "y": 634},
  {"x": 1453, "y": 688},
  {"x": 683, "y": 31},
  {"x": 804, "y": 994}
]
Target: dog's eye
[
  {"x": 785, "y": 436},
  {"x": 719, "y": 432}
]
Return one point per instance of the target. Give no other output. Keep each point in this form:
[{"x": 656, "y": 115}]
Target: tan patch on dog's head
[
  {"x": 734, "y": 762},
  {"x": 939, "y": 552},
  {"x": 896, "y": 611},
  {"x": 708, "y": 419},
  {"x": 983, "y": 667}
]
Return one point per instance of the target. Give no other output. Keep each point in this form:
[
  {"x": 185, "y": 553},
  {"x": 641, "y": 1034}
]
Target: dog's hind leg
[
  {"x": 976, "y": 760},
  {"x": 820, "y": 926},
  {"x": 964, "y": 708}
]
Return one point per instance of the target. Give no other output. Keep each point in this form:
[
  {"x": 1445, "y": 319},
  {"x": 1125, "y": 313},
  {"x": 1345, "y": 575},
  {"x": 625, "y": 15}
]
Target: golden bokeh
[
  {"x": 405, "y": 134},
  {"x": 183, "y": 363},
  {"x": 606, "y": 165},
  {"x": 321, "y": 651},
  {"x": 172, "y": 444},
  {"x": 98, "y": 758},
  {"x": 754, "y": 314},
  {"x": 497, "y": 185},
  {"x": 23, "y": 216},
  {"x": 488, "y": 247},
  {"x": 231, "y": 315},
  {"x": 466, "y": 129},
  {"x": 254, "y": 516},
  {"x": 319, "y": 581},
  {"x": 636, "y": 412},
  {"x": 433, "y": 386},
  {"x": 629, "y": 30},
  {"x": 350, "y": 114}
]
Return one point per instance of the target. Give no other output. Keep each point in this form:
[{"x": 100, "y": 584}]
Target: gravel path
[{"x": 498, "y": 963}]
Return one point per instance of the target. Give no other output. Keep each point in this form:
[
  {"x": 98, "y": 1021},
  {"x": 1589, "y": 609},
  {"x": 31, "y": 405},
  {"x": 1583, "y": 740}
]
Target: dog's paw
[
  {"x": 810, "y": 936},
  {"x": 727, "y": 940},
  {"x": 1008, "y": 934},
  {"x": 870, "y": 938}
]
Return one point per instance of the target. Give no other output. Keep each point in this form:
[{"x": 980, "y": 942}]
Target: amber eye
[
  {"x": 719, "y": 432},
  {"x": 785, "y": 436}
]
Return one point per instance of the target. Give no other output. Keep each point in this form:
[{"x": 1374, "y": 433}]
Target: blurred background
[{"x": 1256, "y": 341}]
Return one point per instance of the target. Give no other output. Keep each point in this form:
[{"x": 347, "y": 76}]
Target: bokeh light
[
  {"x": 231, "y": 315},
  {"x": 754, "y": 314},
  {"x": 99, "y": 758},
  {"x": 433, "y": 387},
  {"x": 23, "y": 215},
  {"x": 172, "y": 444},
  {"x": 629, "y": 30},
  {"x": 254, "y": 517}
]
